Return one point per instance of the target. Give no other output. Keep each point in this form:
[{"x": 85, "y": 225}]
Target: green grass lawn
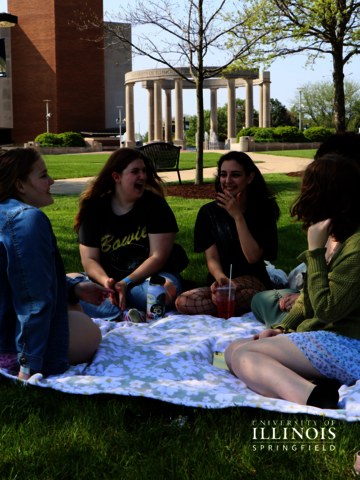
[
  {"x": 292, "y": 153},
  {"x": 78, "y": 166},
  {"x": 47, "y": 434}
]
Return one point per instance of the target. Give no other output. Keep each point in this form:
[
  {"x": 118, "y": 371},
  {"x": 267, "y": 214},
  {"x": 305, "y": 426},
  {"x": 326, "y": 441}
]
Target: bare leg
[
  {"x": 230, "y": 349},
  {"x": 275, "y": 367},
  {"x": 75, "y": 307},
  {"x": 85, "y": 337}
]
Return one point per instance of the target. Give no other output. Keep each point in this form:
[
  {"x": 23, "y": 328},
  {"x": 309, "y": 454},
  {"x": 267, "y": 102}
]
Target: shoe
[{"x": 133, "y": 315}]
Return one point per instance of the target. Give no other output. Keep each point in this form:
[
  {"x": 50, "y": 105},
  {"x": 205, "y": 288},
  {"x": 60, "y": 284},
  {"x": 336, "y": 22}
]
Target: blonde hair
[{"x": 104, "y": 184}]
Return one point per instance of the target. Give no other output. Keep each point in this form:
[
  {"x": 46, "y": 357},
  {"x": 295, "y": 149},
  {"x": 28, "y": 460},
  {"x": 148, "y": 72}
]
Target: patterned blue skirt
[{"x": 333, "y": 355}]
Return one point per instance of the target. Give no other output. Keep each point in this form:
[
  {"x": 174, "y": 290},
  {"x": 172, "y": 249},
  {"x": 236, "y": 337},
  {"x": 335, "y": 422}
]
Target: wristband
[{"x": 128, "y": 282}]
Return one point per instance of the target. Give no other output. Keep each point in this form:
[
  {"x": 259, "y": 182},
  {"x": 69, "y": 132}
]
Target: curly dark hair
[
  {"x": 259, "y": 195},
  {"x": 330, "y": 189},
  {"x": 346, "y": 144}
]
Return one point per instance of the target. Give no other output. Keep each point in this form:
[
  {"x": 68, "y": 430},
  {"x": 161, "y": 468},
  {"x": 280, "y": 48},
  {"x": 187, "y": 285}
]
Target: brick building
[{"x": 50, "y": 60}]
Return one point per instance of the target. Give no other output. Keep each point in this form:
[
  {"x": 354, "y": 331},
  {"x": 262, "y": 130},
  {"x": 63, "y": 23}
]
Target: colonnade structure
[{"x": 158, "y": 79}]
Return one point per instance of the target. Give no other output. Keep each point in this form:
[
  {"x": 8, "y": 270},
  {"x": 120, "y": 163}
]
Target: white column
[
  {"x": 130, "y": 118},
  {"x": 213, "y": 115},
  {"x": 179, "y": 121},
  {"x": 266, "y": 105},
  {"x": 260, "y": 105},
  {"x": 168, "y": 123},
  {"x": 231, "y": 110},
  {"x": 249, "y": 104},
  {"x": 150, "y": 114},
  {"x": 158, "y": 111}
]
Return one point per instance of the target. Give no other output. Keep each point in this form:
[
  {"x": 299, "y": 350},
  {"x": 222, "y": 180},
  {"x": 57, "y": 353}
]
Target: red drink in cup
[{"x": 225, "y": 302}]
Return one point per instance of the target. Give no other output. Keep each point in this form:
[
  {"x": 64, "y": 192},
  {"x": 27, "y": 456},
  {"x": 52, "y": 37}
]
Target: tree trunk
[
  {"x": 339, "y": 96},
  {"x": 199, "y": 175}
]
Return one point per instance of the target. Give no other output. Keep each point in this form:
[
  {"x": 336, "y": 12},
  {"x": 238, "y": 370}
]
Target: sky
[{"x": 286, "y": 76}]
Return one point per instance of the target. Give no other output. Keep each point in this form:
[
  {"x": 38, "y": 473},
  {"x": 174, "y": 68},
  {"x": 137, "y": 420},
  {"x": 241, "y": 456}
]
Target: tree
[
  {"x": 318, "y": 27},
  {"x": 183, "y": 35},
  {"x": 280, "y": 116},
  {"x": 318, "y": 102}
]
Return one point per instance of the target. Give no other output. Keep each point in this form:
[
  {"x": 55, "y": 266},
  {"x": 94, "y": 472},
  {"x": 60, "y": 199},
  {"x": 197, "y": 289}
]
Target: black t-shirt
[
  {"x": 123, "y": 239},
  {"x": 215, "y": 225}
]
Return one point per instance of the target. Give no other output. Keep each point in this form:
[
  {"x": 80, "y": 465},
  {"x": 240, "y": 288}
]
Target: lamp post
[
  {"x": 300, "y": 90},
  {"x": 8, "y": 20},
  {"x": 119, "y": 121},
  {"x": 48, "y": 115}
]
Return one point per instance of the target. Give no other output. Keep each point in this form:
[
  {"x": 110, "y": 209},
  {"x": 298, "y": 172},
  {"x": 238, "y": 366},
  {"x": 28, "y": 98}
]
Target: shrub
[
  {"x": 318, "y": 134},
  {"x": 49, "y": 140},
  {"x": 354, "y": 124},
  {"x": 290, "y": 134},
  {"x": 222, "y": 137},
  {"x": 72, "y": 139},
  {"x": 246, "y": 132},
  {"x": 266, "y": 135}
]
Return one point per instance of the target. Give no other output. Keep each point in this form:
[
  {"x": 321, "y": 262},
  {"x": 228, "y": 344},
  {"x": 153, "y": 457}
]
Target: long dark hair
[
  {"x": 16, "y": 163},
  {"x": 259, "y": 194},
  {"x": 104, "y": 184},
  {"x": 330, "y": 189}
]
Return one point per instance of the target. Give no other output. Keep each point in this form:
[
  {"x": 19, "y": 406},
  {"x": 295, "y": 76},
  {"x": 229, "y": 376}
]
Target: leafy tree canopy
[
  {"x": 280, "y": 116},
  {"x": 317, "y": 101},
  {"x": 317, "y": 27}
]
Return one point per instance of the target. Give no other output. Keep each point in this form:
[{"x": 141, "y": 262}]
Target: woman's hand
[
  {"x": 218, "y": 284},
  {"x": 287, "y": 302},
  {"x": 268, "y": 333},
  {"x": 92, "y": 293},
  {"x": 318, "y": 234},
  {"x": 121, "y": 288},
  {"x": 230, "y": 203}
]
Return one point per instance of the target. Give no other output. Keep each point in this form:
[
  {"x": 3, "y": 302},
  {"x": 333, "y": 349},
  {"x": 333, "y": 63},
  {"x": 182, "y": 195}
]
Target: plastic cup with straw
[{"x": 225, "y": 300}]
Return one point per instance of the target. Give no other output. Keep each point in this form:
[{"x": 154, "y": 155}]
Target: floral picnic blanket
[{"x": 171, "y": 360}]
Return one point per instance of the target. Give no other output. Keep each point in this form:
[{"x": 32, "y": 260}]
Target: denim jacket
[{"x": 33, "y": 290}]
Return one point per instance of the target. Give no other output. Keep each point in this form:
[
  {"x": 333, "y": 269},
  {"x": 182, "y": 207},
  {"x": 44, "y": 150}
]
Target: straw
[{"x": 230, "y": 281}]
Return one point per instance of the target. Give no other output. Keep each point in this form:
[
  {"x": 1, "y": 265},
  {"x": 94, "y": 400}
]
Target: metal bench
[{"x": 164, "y": 156}]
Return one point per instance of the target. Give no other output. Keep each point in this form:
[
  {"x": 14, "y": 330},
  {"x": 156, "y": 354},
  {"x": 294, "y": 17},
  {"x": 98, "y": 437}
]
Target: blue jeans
[{"x": 135, "y": 298}]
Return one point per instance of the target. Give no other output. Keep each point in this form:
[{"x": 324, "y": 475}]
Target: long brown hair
[
  {"x": 259, "y": 195},
  {"x": 330, "y": 189},
  {"x": 104, "y": 184},
  {"x": 16, "y": 163}
]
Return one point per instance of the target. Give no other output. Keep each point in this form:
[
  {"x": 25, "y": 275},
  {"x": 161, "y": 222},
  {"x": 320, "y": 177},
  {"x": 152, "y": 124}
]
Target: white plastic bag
[
  {"x": 296, "y": 277},
  {"x": 277, "y": 276}
]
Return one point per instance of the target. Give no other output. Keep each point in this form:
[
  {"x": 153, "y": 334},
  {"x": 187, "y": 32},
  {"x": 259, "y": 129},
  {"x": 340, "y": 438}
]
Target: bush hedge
[
  {"x": 278, "y": 134},
  {"x": 318, "y": 134},
  {"x": 67, "y": 139}
]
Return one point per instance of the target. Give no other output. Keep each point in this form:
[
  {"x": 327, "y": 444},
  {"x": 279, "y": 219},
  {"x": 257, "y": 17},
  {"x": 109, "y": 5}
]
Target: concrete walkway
[{"x": 272, "y": 164}]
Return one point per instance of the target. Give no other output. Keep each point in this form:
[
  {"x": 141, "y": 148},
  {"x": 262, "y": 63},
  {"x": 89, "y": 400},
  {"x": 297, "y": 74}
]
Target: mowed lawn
[
  {"x": 78, "y": 166},
  {"x": 292, "y": 153},
  {"x": 47, "y": 434}
]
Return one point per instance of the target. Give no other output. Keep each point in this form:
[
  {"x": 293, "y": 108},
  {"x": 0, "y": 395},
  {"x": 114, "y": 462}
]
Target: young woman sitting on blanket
[
  {"x": 237, "y": 229},
  {"x": 270, "y": 307},
  {"x": 42, "y": 327},
  {"x": 126, "y": 232},
  {"x": 319, "y": 339}
]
